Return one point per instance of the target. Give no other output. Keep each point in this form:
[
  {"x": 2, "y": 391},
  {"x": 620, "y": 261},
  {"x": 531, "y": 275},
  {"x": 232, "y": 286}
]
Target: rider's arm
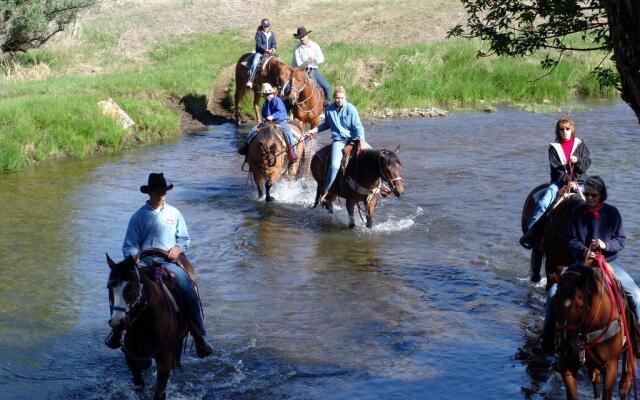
[
  {"x": 617, "y": 240},
  {"x": 261, "y": 45},
  {"x": 280, "y": 111},
  {"x": 275, "y": 44},
  {"x": 355, "y": 125},
  {"x": 297, "y": 58},
  {"x": 131, "y": 245},
  {"x": 182, "y": 236},
  {"x": 573, "y": 234},
  {"x": 584, "y": 159},
  {"x": 319, "y": 55},
  {"x": 558, "y": 169}
]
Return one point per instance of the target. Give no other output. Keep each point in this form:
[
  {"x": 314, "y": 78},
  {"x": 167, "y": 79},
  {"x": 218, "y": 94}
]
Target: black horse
[{"x": 154, "y": 327}]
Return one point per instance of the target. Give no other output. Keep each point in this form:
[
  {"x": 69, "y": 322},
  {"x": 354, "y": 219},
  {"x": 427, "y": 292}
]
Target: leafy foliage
[
  {"x": 520, "y": 28},
  {"x": 27, "y": 24}
]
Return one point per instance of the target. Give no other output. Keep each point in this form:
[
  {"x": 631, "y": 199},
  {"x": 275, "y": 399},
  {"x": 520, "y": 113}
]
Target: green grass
[{"x": 59, "y": 117}]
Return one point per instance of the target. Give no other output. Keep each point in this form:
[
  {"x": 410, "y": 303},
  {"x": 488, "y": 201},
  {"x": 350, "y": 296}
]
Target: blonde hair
[{"x": 339, "y": 89}]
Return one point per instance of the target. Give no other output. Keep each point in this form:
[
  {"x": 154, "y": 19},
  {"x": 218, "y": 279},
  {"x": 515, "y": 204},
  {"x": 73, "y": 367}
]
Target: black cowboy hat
[
  {"x": 156, "y": 182},
  {"x": 302, "y": 32}
]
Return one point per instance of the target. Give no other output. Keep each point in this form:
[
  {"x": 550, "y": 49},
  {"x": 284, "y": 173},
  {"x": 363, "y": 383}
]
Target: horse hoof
[
  {"x": 369, "y": 225},
  {"x": 269, "y": 199},
  {"x": 138, "y": 386},
  {"x": 351, "y": 226}
]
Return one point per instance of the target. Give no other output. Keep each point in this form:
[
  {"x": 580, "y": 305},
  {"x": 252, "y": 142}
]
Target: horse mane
[{"x": 578, "y": 277}]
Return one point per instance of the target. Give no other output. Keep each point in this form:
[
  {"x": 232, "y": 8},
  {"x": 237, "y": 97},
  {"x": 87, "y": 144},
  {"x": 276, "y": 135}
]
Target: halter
[
  {"x": 140, "y": 299},
  {"x": 316, "y": 93},
  {"x": 385, "y": 178}
]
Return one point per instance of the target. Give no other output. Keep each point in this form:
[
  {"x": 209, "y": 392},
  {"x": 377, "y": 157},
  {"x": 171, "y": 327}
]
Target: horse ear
[
  {"x": 110, "y": 261},
  {"x": 397, "y": 150}
]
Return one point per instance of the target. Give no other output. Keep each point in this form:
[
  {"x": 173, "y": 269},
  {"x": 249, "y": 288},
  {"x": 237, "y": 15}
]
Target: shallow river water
[{"x": 434, "y": 302}]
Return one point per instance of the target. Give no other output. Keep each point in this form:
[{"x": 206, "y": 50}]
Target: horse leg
[
  {"x": 256, "y": 106},
  {"x": 570, "y": 383},
  {"x": 594, "y": 374},
  {"x": 370, "y": 208},
  {"x": 163, "y": 362},
  {"x": 628, "y": 365},
  {"x": 267, "y": 186},
  {"x": 351, "y": 208},
  {"x": 258, "y": 179},
  {"x": 136, "y": 371},
  {"x": 610, "y": 374}
]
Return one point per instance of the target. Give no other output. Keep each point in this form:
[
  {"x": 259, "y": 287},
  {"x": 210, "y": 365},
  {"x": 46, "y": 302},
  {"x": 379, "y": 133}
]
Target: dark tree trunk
[{"x": 624, "y": 28}]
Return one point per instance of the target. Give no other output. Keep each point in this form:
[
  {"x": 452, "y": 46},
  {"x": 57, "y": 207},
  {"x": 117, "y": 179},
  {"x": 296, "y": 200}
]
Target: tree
[
  {"x": 27, "y": 24},
  {"x": 519, "y": 28}
]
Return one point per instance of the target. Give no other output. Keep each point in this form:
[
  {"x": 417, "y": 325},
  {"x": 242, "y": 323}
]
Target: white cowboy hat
[{"x": 266, "y": 88}]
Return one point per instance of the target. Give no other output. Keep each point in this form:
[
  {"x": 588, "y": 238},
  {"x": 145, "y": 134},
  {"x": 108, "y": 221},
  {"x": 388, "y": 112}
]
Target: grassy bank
[{"x": 58, "y": 116}]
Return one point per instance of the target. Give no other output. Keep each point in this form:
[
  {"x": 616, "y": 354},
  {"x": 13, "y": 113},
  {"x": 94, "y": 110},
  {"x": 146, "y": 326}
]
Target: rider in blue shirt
[
  {"x": 274, "y": 110},
  {"x": 158, "y": 225},
  {"x": 344, "y": 121}
]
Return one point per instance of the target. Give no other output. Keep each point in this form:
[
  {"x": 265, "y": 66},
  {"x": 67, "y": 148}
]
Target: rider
[
  {"x": 343, "y": 120},
  {"x": 158, "y": 225},
  {"x": 308, "y": 54},
  {"x": 568, "y": 160},
  {"x": 265, "y": 44},
  {"x": 594, "y": 227},
  {"x": 274, "y": 110}
]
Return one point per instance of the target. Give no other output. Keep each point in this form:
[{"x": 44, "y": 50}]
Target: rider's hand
[
  {"x": 313, "y": 130},
  {"x": 573, "y": 185},
  {"x": 174, "y": 252},
  {"x": 270, "y": 118},
  {"x": 574, "y": 159},
  {"x": 602, "y": 245},
  {"x": 312, "y": 59}
]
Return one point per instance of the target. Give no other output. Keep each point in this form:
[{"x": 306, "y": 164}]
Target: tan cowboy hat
[{"x": 266, "y": 88}]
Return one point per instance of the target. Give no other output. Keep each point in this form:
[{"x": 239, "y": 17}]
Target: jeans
[
  {"x": 255, "y": 61},
  {"x": 543, "y": 203},
  {"x": 187, "y": 296},
  {"x": 628, "y": 285},
  {"x": 315, "y": 74},
  {"x": 334, "y": 163}
]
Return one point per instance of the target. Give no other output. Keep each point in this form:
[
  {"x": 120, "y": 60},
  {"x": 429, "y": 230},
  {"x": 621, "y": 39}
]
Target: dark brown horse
[
  {"x": 267, "y": 157},
  {"x": 154, "y": 328},
  {"x": 272, "y": 71},
  {"x": 550, "y": 242},
  {"x": 307, "y": 100},
  {"x": 363, "y": 180},
  {"x": 591, "y": 328}
]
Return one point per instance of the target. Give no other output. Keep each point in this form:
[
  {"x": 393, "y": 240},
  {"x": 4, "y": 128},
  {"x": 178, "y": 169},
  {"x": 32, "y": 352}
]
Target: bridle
[
  {"x": 294, "y": 98},
  {"x": 140, "y": 301},
  {"x": 386, "y": 178}
]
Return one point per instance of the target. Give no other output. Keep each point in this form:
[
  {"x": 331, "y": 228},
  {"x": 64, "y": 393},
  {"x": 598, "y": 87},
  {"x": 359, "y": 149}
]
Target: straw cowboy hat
[
  {"x": 266, "y": 88},
  {"x": 156, "y": 182}
]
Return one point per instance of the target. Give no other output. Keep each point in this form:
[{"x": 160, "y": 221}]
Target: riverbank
[{"x": 58, "y": 116}]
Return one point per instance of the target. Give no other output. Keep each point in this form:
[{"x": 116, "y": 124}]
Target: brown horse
[
  {"x": 362, "y": 181},
  {"x": 307, "y": 103},
  {"x": 272, "y": 71},
  {"x": 267, "y": 157},
  {"x": 550, "y": 242},
  {"x": 591, "y": 330},
  {"x": 154, "y": 328}
]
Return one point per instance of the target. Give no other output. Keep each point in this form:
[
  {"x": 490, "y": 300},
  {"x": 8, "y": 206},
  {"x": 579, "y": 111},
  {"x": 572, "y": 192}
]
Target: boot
[
  {"x": 243, "y": 150},
  {"x": 535, "y": 265},
  {"x": 114, "y": 340},
  {"x": 203, "y": 348},
  {"x": 291, "y": 154},
  {"x": 525, "y": 240}
]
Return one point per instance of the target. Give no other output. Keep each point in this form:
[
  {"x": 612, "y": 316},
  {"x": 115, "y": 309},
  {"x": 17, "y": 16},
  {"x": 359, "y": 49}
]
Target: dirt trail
[{"x": 220, "y": 103}]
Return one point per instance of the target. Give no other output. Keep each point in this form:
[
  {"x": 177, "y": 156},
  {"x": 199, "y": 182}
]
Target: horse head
[
  {"x": 125, "y": 290},
  {"x": 276, "y": 73},
  {"x": 575, "y": 307},
  {"x": 297, "y": 82},
  {"x": 391, "y": 170}
]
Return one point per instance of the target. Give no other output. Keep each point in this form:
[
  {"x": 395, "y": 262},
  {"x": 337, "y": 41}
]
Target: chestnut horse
[
  {"x": 154, "y": 328},
  {"x": 266, "y": 156},
  {"x": 272, "y": 71},
  {"x": 362, "y": 181},
  {"x": 592, "y": 325},
  {"x": 307, "y": 100}
]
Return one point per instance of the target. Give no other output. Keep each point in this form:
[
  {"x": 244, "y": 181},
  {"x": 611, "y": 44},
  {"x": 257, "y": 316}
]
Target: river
[{"x": 434, "y": 302}]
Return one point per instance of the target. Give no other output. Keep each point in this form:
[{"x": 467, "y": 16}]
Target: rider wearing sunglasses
[{"x": 568, "y": 161}]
